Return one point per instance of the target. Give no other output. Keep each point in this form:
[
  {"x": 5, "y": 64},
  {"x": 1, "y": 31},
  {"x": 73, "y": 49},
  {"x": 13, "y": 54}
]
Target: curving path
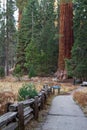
[{"x": 64, "y": 114}]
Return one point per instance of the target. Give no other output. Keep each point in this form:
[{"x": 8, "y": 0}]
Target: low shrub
[
  {"x": 32, "y": 72},
  {"x": 27, "y": 90}
]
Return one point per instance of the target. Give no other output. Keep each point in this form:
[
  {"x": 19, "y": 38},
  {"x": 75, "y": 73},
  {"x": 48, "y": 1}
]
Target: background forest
[{"x": 32, "y": 46}]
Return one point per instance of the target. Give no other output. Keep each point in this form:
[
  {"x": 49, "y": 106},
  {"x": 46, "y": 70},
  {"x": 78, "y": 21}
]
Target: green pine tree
[
  {"x": 26, "y": 31},
  {"x": 2, "y": 38},
  {"x": 37, "y": 25},
  {"x": 45, "y": 40},
  {"x": 78, "y": 62},
  {"x": 7, "y": 35}
]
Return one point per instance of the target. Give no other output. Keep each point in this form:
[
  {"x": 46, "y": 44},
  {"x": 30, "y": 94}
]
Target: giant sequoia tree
[{"x": 66, "y": 34}]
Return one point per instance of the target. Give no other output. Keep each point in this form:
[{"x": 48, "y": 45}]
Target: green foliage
[
  {"x": 2, "y": 72},
  {"x": 2, "y": 38},
  {"x": 37, "y": 41},
  {"x": 21, "y": 4},
  {"x": 2, "y": 44},
  {"x": 32, "y": 72},
  {"x": 26, "y": 31},
  {"x": 18, "y": 72},
  {"x": 78, "y": 62},
  {"x": 69, "y": 67},
  {"x": 27, "y": 90},
  {"x": 42, "y": 49},
  {"x": 31, "y": 55},
  {"x": 7, "y": 35}
]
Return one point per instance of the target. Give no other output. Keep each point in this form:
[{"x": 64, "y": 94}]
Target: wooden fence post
[
  {"x": 53, "y": 91},
  {"x": 36, "y": 111},
  {"x": 7, "y": 106},
  {"x": 21, "y": 116},
  {"x": 42, "y": 100},
  {"x": 50, "y": 90},
  {"x": 46, "y": 96},
  {"x": 58, "y": 90}
]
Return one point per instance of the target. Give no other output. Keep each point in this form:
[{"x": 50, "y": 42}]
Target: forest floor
[
  {"x": 10, "y": 83},
  {"x": 9, "y": 87}
]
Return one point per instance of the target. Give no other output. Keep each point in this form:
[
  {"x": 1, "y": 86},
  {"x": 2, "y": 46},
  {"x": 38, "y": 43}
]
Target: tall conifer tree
[
  {"x": 77, "y": 66},
  {"x": 36, "y": 23},
  {"x": 2, "y": 37},
  {"x": 66, "y": 35},
  {"x": 8, "y": 33}
]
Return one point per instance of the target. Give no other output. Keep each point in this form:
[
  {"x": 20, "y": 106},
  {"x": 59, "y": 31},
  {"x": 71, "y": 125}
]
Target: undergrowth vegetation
[
  {"x": 6, "y": 97},
  {"x": 27, "y": 90},
  {"x": 2, "y": 73},
  {"x": 80, "y": 98}
]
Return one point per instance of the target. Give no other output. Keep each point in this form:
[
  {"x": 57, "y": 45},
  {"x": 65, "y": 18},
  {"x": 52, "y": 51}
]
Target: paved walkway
[{"x": 64, "y": 114}]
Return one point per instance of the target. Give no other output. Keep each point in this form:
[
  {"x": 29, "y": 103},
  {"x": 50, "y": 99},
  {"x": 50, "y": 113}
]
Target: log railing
[{"x": 19, "y": 114}]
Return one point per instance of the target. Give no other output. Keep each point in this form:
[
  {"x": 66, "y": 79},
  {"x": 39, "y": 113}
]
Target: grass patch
[
  {"x": 66, "y": 88},
  {"x": 81, "y": 98}
]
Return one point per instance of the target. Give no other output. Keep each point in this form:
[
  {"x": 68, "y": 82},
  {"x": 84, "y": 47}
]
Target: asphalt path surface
[{"x": 64, "y": 114}]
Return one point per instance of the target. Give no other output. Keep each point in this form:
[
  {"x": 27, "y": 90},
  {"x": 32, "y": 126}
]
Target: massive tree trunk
[{"x": 66, "y": 36}]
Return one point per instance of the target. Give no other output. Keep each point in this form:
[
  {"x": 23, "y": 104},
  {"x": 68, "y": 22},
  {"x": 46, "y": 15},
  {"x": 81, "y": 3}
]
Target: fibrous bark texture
[{"x": 66, "y": 35}]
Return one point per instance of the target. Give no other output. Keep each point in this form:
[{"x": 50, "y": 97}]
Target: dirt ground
[
  {"x": 9, "y": 87},
  {"x": 10, "y": 83}
]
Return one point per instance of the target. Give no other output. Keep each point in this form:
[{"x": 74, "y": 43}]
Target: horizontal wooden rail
[
  {"x": 6, "y": 118},
  {"x": 19, "y": 114}
]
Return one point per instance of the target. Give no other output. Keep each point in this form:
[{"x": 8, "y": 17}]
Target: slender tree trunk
[
  {"x": 19, "y": 17},
  {"x": 6, "y": 59},
  {"x": 66, "y": 37},
  {"x": 7, "y": 43}
]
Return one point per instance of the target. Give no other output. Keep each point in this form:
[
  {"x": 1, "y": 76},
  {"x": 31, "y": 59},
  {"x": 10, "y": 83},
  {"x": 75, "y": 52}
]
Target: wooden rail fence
[{"x": 19, "y": 114}]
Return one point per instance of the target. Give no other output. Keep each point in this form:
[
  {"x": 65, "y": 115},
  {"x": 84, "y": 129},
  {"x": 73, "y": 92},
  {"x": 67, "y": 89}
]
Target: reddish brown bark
[
  {"x": 66, "y": 35},
  {"x": 19, "y": 17},
  {"x": 21, "y": 4}
]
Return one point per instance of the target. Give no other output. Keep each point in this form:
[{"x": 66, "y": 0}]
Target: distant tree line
[
  {"x": 7, "y": 35},
  {"x": 37, "y": 49}
]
